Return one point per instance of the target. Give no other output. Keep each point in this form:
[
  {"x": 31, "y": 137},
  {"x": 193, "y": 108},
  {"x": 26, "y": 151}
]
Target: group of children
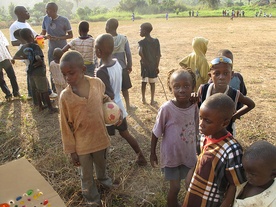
[{"x": 197, "y": 132}]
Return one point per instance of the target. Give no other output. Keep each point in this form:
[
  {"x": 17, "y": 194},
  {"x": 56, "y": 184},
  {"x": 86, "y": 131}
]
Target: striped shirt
[{"x": 218, "y": 165}]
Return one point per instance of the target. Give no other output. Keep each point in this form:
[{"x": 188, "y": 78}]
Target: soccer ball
[{"x": 112, "y": 113}]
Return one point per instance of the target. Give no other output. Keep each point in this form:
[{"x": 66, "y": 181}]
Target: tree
[
  {"x": 77, "y": 2},
  {"x": 3, "y": 14},
  {"x": 211, "y": 3},
  {"x": 129, "y": 5},
  {"x": 11, "y": 11}
]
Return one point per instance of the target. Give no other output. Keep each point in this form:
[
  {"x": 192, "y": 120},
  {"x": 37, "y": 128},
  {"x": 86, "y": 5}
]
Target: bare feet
[
  {"x": 144, "y": 101},
  {"x": 141, "y": 160},
  {"x": 153, "y": 103}
]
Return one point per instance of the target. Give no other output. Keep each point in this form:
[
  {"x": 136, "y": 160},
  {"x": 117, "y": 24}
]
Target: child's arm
[
  {"x": 153, "y": 157},
  {"x": 128, "y": 57},
  {"x": 248, "y": 105},
  {"x": 20, "y": 55},
  {"x": 229, "y": 196},
  {"x": 66, "y": 48}
]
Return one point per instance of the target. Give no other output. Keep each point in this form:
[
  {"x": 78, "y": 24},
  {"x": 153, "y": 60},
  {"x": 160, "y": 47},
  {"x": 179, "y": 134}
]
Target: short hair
[
  {"x": 53, "y": 5},
  {"x": 84, "y": 26},
  {"x": 222, "y": 103},
  {"x": 147, "y": 27},
  {"x": 57, "y": 53},
  {"x": 178, "y": 71},
  {"x": 72, "y": 56},
  {"x": 105, "y": 43},
  {"x": 16, "y": 34},
  {"x": 261, "y": 150},
  {"x": 226, "y": 53},
  {"x": 18, "y": 9},
  {"x": 112, "y": 23},
  {"x": 25, "y": 33}
]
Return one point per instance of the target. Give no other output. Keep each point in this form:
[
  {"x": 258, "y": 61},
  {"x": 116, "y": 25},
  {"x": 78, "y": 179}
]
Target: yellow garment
[{"x": 197, "y": 61}]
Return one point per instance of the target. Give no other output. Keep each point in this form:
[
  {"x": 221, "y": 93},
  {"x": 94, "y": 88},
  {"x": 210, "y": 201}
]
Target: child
[
  {"x": 55, "y": 71},
  {"x": 122, "y": 53},
  {"x": 212, "y": 182},
  {"x": 221, "y": 73},
  {"x": 149, "y": 50},
  {"x": 83, "y": 130},
  {"x": 177, "y": 124},
  {"x": 260, "y": 168},
  {"x": 36, "y": 70},
  {"x": 197, "y": 61},
  {"x": 110, "y": 72},
  {"x": 85, "y": 44},
  {"x": 5, "y": 63}
]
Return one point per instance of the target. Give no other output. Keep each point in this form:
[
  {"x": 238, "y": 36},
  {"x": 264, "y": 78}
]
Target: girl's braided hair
[{"x": 181, "y": 70}]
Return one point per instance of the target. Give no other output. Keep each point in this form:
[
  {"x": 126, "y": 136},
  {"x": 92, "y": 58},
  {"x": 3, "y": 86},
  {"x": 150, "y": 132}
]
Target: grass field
[{"x": 26, "y": 132}]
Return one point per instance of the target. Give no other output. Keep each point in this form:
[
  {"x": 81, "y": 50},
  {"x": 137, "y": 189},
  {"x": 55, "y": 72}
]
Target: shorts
[
  {"x": 149, "y": 80},
  {"x": 175, "y": 173},
  {"x": 126, "y": 83},
  {"x": 122, "y": 127},
  {"x": 39, "y": 83}
]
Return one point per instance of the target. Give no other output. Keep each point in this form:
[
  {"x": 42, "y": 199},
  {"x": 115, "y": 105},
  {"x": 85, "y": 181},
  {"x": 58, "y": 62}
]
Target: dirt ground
[{"x": 26, "y": 132}]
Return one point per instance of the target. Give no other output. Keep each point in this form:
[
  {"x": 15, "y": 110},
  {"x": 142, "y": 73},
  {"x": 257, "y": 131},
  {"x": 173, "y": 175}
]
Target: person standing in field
[
  {"x": 177, "y": 127},
  {"x": 149, "y": 51},
  {"x": 85, "y": 44},
  {"x": 123, "y": 54},
  {"x": 197, "y": 61},
  {"x": 57, "y": 29}
]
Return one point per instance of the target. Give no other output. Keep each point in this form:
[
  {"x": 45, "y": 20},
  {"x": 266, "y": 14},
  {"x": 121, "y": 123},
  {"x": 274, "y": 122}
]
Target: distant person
[
  {"x": 110, "y": 72},
  {"x": 167, "y": 16},
  {"x": 221, "y": 73},
  {"x": 218, "y": 171},
  {"x": 260, "y": 169},
  {"x": 55, "y": 71},
  {"x": 57, "y": 29},
  {"x": 178, "y": 135},
  {"x": 85, "y": 44},
  {"x": 133, "y": 17},
  {"x": 6, "y": 62},
  {"x": 83, "y": 131},
  {"x": 36, "y": 70},
  {"x": 149, "y": 51},
  {"x": 123, "y": 54},
  {"x": 197, "y": 61}
]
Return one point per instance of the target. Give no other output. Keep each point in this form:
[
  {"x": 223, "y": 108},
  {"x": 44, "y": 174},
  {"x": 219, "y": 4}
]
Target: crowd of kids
[{"x": 196, "y": 130}]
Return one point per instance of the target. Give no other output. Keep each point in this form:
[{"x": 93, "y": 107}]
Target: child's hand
[
  {"x": 194, "y": 98},
  {"x": 12, "y": 61},
  {"x": 157, "y": 70},
  {"x": 38, "y": 61},
  {"x": 120, "y": 119},
  {"x": 153, "y": 160},
  {"x": 75, "y": 159},
  {"x": 129, "y": 70}
]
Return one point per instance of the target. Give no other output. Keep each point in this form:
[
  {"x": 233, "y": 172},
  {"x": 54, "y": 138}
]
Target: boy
[
  {"x": 36, "y": 70},
  {"x": 260, "y": 169},
  {"x": 5, "y": 63},
  {"x": 110, "y": 72},
  {"x": 149, "y": 51},
  {"x": 55, "y": 71},
  {"x": 221, "y": 73},
  {"x": 197, "y": 61},
  {"x": 122, "y": 53},
  {"x": 85, "y": 44},
  {"x": 212, "y": 182},
  {"x": 83, "y": 130}
]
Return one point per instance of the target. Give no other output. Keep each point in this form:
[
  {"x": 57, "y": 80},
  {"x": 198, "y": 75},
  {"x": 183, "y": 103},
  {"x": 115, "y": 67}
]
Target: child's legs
[
  {"x": 152, "y": 92},
  {"x": 143, "y": 89},
  {"x": 3, "y": 84},
  {"x": 173, "y": 193},
  {"x": 11, "y": 75},
  {"x": 126, "y": 84},
  {"x": 100, "y": 159},
  {"x": 88, "y": 185}
]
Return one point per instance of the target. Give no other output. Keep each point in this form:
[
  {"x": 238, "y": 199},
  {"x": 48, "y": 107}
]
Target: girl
[{"x": 177, "y": 124}]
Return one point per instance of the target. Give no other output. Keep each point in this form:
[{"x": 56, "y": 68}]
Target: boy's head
[
  {"x": 226, "y": 53},
  {"x": 21, "y": 13},
  {"x": 181, "y": 83},
  {"x": 104, "y": 45},
  {"x": 72, "y": 67},
  {"x": 259, "y": 162},
  {"x": 145, "y": 29},
  {"x": 221, "y": 72},
  {"x": 51, "y": 9},
  {"x": 83, "y": 27},
  {"x": 57, "y": 54},
  {"x": 27, "y": 35},
  {"x": 111, "y": 25},
  {"x": 215, "y": 114}
]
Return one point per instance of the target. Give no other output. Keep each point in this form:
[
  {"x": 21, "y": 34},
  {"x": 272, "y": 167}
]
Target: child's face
[
  {"x": 258, "y": 172},
  {"x": 182, "y": 87},
  {"x": 142, "y": 32},
  {"x": 72, "y": 72},
  {"x": 211, "y": 122},
  {"x": 98, "y": 49},
  {"x": 221, "y": 75}
]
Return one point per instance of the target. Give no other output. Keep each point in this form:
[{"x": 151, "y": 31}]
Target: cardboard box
[{"x": 23, "y": 186}]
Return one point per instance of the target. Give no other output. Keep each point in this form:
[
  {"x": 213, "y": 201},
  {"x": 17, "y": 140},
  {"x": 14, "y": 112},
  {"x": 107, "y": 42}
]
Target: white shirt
[{"x": 4, "y": 53}]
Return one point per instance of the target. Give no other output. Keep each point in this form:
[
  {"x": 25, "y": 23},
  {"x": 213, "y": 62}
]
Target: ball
[{"x": 112, "y": 113}]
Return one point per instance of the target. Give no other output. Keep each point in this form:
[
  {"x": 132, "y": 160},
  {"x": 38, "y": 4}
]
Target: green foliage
[
  {"x": 11, "y": 11},
  {"x": 130, "y": 5},
  {"x": 3, "y": 14}
]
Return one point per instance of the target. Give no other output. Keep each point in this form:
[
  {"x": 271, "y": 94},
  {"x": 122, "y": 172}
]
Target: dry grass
[{"x": 26, "y": 132}]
